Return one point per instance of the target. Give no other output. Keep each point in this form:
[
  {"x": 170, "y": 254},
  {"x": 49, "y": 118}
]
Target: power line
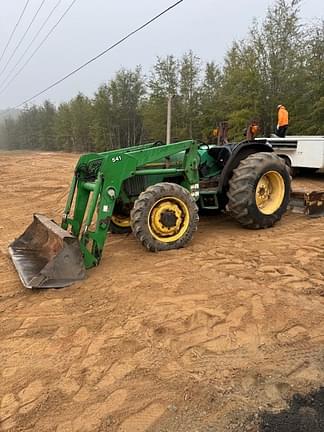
[
  {"x": 38, "y": 47},
  {"x": 101, "y": 53},
  {"x": 22, "y": 38},
  {"x": 32, "y": 42},
  {"x": 14, "y": 30}
]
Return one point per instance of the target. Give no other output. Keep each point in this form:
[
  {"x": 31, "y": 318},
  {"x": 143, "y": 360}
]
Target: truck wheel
[
  {"x": 308, "y": 171},
  {"x": 164, "y": 217},
  {"x": 259, "y": 190}
]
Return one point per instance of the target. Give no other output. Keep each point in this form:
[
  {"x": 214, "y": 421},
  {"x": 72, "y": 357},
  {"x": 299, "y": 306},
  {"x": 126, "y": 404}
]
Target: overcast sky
[{"x": 208, "y": 27}]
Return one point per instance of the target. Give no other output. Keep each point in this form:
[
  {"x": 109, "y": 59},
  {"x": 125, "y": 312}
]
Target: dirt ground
[{"x": 202, "y": 339}]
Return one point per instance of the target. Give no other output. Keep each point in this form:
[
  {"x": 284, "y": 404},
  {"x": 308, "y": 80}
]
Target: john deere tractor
[{"x": 155, "y": 190}]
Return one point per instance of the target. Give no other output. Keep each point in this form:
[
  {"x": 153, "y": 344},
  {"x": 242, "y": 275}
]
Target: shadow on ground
[{"x": 304, "y": 414}]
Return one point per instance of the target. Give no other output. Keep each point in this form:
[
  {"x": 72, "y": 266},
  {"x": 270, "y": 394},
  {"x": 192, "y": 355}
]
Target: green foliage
[
  {"x": 164, "y": 78},
  {"x": 190, "y": 72},
  {"x": 280, "y": 61},
  {"x": 211, "y": 111},
  {"x": 125, "y": 93}
]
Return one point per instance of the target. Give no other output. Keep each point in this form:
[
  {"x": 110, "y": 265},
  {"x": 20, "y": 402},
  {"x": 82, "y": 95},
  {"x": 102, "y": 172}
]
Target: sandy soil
[{"x": 200, "y": 339}]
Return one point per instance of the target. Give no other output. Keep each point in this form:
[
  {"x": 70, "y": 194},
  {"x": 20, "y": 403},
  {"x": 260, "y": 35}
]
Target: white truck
[{"x": 305, "y": 152}]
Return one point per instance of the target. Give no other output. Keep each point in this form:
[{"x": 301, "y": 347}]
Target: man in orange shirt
[{"x": 282, "y": 125}]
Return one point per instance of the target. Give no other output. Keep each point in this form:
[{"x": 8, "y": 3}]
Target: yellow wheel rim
[
  {"x": 121, "y": 221},
  {"x": 270, "y": 192},
  {"x": 168, "y": 219}
]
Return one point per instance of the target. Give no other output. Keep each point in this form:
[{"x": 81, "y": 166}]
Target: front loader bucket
[{"x": 47, "y": 256}]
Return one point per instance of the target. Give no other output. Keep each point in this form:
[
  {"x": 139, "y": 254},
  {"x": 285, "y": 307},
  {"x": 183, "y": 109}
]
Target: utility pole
[{"x": 169, "y": 119}]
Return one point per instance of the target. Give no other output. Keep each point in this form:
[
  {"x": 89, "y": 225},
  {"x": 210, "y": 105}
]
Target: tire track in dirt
[{"x": 176, "y": 341}]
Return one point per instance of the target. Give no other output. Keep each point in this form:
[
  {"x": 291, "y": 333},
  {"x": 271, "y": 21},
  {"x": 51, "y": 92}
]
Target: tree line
[{"x": 281, "y": 60}]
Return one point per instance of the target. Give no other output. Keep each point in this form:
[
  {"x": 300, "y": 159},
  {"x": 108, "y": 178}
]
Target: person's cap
[{"x": 279, "y": 106}]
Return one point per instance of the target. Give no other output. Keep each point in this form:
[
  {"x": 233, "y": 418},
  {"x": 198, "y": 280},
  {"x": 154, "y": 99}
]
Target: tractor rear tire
[
  {"x": 164, "y": 217},
  {"x": 259, "y": 190}
]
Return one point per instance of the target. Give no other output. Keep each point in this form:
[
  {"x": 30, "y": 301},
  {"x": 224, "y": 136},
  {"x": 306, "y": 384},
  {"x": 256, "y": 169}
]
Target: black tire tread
[
  {"x": 239, "y": 196},
  {"x": 143, "y": 204}
]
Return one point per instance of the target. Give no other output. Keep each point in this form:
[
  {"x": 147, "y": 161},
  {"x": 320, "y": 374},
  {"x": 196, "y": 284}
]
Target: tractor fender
[{"x": 239, "y": 152}]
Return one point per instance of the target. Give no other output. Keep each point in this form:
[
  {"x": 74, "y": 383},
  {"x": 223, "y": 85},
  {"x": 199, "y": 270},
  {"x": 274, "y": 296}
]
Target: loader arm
[{"x": 113, "y": 168}]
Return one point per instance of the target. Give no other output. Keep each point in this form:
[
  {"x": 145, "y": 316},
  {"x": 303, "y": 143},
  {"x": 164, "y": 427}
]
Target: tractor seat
[{"x": 221, "y": 155}]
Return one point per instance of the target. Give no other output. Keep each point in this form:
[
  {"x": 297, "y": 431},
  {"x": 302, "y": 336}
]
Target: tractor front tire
[
  {"x": 164, "y": 217},
  {"x": 120, "y": 225},
  {"x": 259, "y": 190},
  {"x": 120, "y": 220}
]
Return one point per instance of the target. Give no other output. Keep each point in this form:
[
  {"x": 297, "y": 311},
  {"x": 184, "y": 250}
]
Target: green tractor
[{"x": 155, "y": 190}]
